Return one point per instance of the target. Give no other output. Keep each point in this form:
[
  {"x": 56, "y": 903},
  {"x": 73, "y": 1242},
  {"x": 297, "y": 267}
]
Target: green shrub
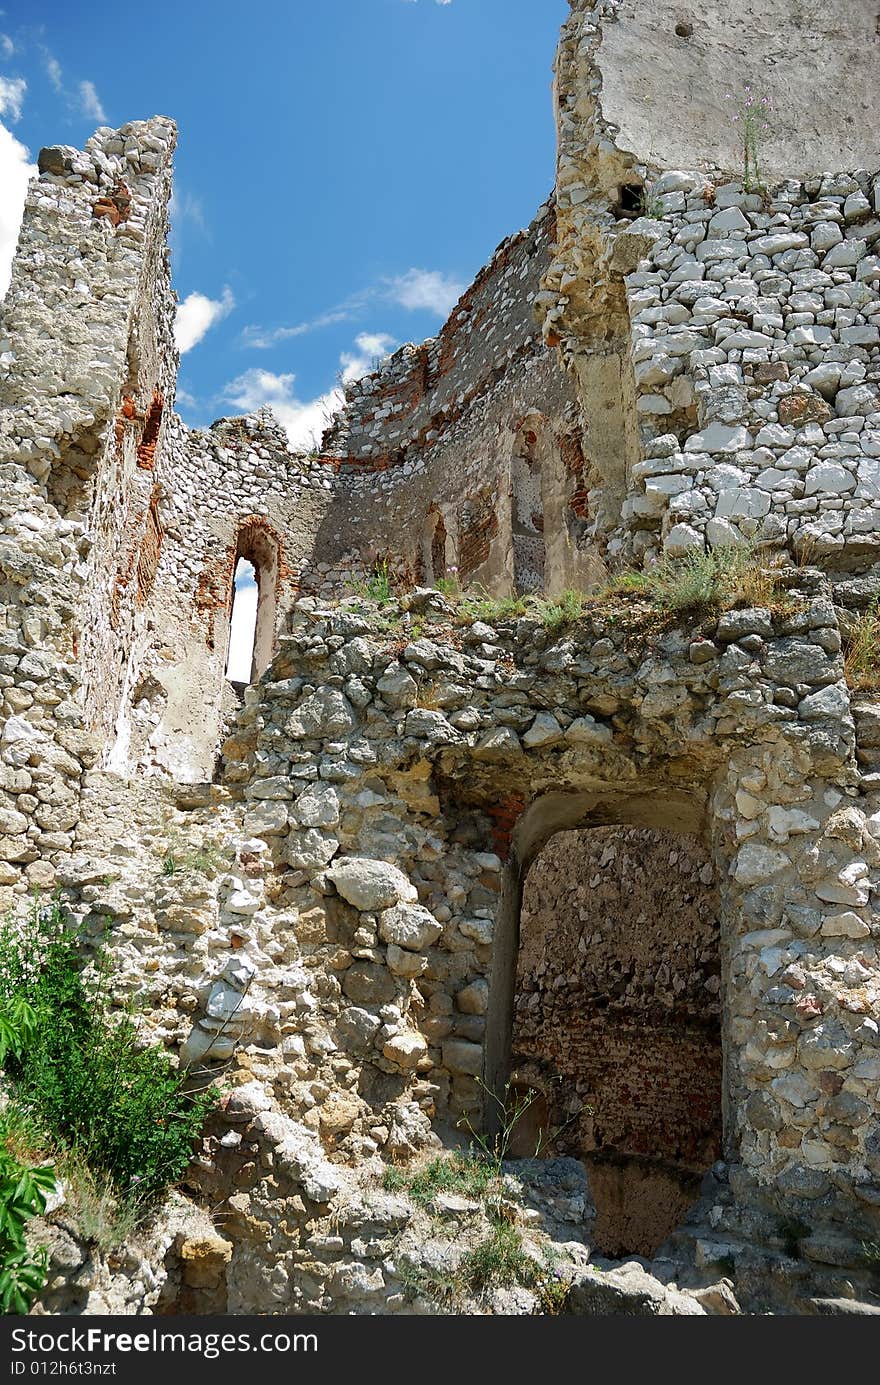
[
  {"x": 23, "y": 1189},
  {"x": 499, "y": 1260},
  {"x": 565, "y": 610},
  {"x": 84, "y": 1074},
  {"x": 479, "y": 605},
  {"x": 378, "y": 586},
  {"x": 23, "y": 1194}
]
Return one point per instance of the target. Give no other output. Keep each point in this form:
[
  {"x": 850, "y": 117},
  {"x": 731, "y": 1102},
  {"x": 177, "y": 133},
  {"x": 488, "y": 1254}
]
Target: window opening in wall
[
  {"x": 257, "y": 573},
  {"x": 630, "y": 201},
  {"x": 617, "y": 1023},
  {"x": 243, "y": 623}
]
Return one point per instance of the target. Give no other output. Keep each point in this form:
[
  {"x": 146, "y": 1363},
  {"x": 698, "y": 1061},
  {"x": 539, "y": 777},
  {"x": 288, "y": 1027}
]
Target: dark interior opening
[
  {"x": 630, "y": 200},
  {"x": 617, "y": 1023}
]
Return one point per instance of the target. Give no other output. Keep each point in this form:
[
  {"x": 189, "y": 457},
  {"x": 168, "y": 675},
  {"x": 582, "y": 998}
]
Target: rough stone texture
[{"x": 664, "y": 360}]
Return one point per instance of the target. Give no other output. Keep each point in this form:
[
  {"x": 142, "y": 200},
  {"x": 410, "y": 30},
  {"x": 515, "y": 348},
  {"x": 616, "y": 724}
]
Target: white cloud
[
  {"x": 425, "y": 289},
  {"x": 303, "y": 421},
  {"x": 261, "y": 338},
  {"x": 53, "y": 70},
  {"x": 90, "y": 102},
  {"x": 15, "y": 170},
  {"x": 196, "y": 315},
  {"x": 7, "y": 45},
  {"x": 370, "y": 348},
  {"x": 12, "y": 90}
]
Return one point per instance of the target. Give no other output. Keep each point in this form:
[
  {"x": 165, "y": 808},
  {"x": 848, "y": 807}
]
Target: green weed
[
  {"x": 465, "y": 1175},
  {"x": 706, "y": 581},
  {"x": 861, "y": 648},
  {"x": 84, "y": 1075}
]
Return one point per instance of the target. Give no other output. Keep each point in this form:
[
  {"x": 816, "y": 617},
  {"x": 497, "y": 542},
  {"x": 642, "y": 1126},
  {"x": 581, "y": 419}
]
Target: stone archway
[
  {"x": 629, "y": 1076},
  {"x": 617, "y": 1021}
]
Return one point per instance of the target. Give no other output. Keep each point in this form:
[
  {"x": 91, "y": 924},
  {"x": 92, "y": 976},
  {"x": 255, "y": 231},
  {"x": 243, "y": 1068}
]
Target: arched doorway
[{"x": 605, "y": 1004}]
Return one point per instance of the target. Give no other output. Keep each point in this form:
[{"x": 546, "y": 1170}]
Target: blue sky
[{"x": 343, "y": 170}]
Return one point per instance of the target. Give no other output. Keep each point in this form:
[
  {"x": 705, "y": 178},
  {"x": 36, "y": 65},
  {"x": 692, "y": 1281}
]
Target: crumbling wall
[
  {"x": 414, "y": 759},
  {"x": 672, "y": 77},
  {"x": 618, "y": 991},
  {"x": 87, "y": 316},
  {"x": 437, "y": 430},
  {"x": 741, "y": 322},
  {"x": 218, "y": 486}
]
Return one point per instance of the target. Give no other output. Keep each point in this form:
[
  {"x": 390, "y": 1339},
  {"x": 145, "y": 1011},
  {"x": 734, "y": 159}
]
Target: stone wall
[
  {"x": 743, "y": 324},
  {"x": 666, "y": 360},
  {"x": 83, "y": 359},
  {"x": 230, "y": 491},
  {"x": 434, "y": 437},
  {"x": 391, "y": 757}
]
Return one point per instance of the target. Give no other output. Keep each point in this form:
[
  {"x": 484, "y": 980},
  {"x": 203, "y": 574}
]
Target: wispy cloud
[
  {"x": 261, "y": 338},
  {"x": 90, "y": 102},
  {"x": 12, "y": 93},
  {"x": 53, "y": 70},
  {"x": 7, "y": 47},
  {"x": 304, "y": 421},
  {"x": 15, "y": 170},
  {"x": 427, "y": 289},
  {"x": 196, "y": 315},
  {"x": 418, "y": 290}
]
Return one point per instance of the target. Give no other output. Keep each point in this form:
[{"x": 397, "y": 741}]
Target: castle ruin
[{"x": 628, "y": 865}]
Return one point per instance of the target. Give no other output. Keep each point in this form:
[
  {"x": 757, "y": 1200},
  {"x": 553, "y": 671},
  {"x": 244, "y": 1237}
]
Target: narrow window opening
[
  {"x": 438, "y": 550},
  {"x": 243, "y": 623}
]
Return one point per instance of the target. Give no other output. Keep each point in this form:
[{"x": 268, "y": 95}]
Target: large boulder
[{"x": 371, "y": 885}]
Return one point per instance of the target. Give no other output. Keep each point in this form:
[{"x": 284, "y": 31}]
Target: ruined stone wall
[
  {"x": 742, "y": 321},
  {"x": 232, "y": 490},
  {"x": 87, "y": 317},
  {"x": 670, "y": 76},
  {"x": 432, "y": 439},
  {"x": 426, "y": 756},
  {"x": 617, "y": 1023}
]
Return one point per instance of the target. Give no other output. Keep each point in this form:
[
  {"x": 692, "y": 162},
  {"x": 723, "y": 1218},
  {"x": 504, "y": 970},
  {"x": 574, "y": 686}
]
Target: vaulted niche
[
  {"x": 616, "y": 1024},
  {"x": 434, "y": 547},
  {"x": 253, "y": 601},
  {"x": 527, "y": 516}
]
